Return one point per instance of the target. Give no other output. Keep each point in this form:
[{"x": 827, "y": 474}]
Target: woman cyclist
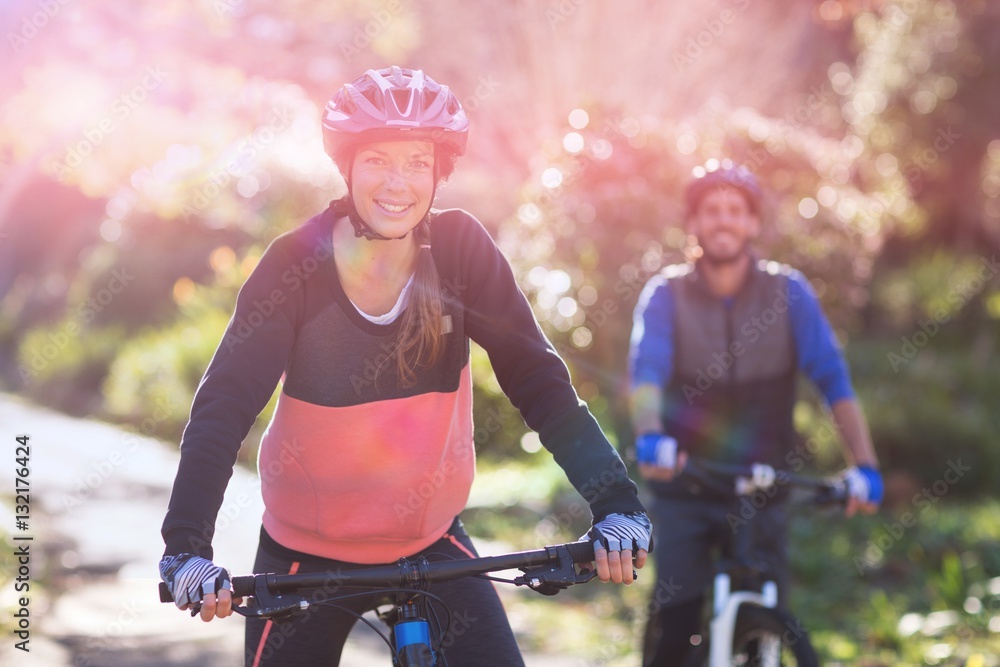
[{"x": 368, "y": 458}]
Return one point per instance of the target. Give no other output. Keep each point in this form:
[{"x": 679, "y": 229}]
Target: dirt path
[{"x": 98, "y": 496}]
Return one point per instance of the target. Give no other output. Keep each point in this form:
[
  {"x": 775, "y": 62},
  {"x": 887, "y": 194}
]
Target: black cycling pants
[{"x": 480, "y": 633}]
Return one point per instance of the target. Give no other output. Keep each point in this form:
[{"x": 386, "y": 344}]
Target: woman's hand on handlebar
[
  {"x": 199, "y": 584},
  {"x": 616, "y": 539},
  {"x": 218, "y": 606}
]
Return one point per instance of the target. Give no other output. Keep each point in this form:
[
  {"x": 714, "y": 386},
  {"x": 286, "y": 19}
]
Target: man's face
[{"x": 724, "y": 224}]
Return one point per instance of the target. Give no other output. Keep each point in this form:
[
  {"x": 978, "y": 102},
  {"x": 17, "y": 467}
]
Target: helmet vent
[
  {"x": 403, "y": 99},
  {"x": 394, "y": 104}
]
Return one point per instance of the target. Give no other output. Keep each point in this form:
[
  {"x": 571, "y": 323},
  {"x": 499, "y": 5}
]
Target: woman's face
[{"x": 392, "y": 183}]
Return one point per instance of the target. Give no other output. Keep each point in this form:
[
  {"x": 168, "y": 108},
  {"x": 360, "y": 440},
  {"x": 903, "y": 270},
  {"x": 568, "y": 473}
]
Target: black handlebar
[
  {"x": 722, "y": 478},
  {"x": 418, "y": 572}
]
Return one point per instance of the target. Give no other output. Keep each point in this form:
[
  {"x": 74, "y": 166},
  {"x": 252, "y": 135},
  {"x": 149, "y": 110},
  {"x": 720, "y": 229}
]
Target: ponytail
[{"x": 420, "y": 332}]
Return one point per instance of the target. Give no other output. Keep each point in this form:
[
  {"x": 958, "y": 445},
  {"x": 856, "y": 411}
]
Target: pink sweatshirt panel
[{"x": 367, "y": 483}]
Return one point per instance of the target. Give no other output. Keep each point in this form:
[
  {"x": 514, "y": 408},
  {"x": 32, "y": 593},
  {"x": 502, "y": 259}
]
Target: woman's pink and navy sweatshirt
[{"x": 353, "y": 465}]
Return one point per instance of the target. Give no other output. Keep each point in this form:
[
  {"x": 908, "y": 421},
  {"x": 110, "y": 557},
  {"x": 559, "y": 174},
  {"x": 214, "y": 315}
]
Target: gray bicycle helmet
[
  {"x": 715, "y": 173},
  {"x": 394, "y": 104}
]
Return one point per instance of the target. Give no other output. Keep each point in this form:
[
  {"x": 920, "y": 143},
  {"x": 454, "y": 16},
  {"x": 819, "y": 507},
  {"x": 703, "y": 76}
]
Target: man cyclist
[{"x": 716, "y": 348}]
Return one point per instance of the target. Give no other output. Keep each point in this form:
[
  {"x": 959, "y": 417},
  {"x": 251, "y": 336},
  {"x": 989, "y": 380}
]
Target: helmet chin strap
[{"x": 361, "y": 228}]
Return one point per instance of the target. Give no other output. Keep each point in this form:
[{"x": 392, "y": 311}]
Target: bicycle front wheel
[{"x": 764, "y": 637}]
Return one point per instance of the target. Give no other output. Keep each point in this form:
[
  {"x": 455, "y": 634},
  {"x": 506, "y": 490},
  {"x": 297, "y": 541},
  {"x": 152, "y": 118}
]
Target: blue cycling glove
[
  {"x": 864, "y": 483},
  {"x": 622, "y": 531},
  {"x": 656, "y": 449}
]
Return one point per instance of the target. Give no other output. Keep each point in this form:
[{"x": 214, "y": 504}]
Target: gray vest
[{"x": 735, "y": 366}]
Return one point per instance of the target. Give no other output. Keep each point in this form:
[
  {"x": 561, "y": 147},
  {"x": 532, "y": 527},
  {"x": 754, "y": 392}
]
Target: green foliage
[
  {"x": 931, "y": 410},
  {"x": 152, "y": 381},
  {"x": 63, "y": 365},
  {"x": 940, "y": 288},
  {"x": 498, "y": 426},
  {"x": 153, "y": 378},
  {"x": 916, "y": 596},
  {"x": 155, "y": 373}
]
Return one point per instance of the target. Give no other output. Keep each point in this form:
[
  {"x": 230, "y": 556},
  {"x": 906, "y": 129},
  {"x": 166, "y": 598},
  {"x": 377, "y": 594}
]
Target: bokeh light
[
  {"x": 573, "y": 142},
  {"x": 552, "y": 177},
  {"x": 578, "y": 119}
]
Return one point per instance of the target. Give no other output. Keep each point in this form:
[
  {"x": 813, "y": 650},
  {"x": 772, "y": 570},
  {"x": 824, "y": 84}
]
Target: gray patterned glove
[
  {"x": 191, "y": 577},
  {"x": 622, "y": 531}
]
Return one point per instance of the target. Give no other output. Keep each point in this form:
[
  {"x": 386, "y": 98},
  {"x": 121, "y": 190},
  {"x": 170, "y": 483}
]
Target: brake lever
[
  {"x": 549, "y": 580},
  {"x": 833, "y": 494},
  {"x": 264, "y": 604}
]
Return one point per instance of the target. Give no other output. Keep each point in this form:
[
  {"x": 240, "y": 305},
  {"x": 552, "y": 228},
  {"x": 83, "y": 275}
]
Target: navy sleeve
[
  {"x": 530, "y": 372},
  {"x": 237, "y": 385},
  {"x": 651, "y": 349},
  {"x": 819, "y": 353}
]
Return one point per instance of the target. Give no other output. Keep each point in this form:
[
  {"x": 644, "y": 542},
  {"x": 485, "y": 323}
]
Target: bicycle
[
  {"x": 747, "y": 627},
  {"x": 412, "y": 617}
]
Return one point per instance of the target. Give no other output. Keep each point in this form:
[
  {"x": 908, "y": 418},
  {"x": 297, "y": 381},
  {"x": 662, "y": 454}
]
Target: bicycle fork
[
  {"x": 723, "y": 625},
  {"x": 413, "y": 636}
]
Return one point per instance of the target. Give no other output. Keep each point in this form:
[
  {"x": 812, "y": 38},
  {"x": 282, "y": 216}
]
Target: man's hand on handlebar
[
  {"x": 864, "y": 489},
  {"x": 659, "y": 459}
]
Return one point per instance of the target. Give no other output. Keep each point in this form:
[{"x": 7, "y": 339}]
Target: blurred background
[{"x": 150, "y": 151}]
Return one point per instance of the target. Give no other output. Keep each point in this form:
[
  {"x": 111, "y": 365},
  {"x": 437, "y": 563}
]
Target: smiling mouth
[{"x": 393, "y": 208}]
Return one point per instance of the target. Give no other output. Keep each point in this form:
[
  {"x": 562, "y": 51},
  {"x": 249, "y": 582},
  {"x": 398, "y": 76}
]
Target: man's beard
[{"x": 722, "y": 260}]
